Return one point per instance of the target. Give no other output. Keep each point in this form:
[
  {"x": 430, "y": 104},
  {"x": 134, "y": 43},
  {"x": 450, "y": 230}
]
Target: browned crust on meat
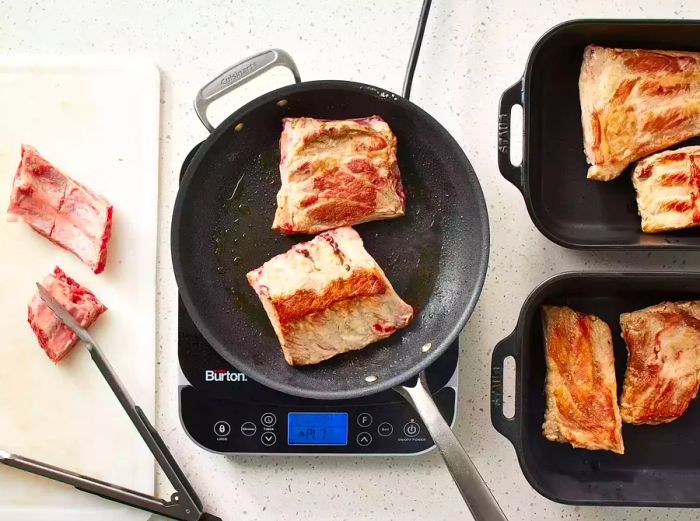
[
  {"x": 581, "y": 392},
  {"x": 361, "y": 284},
  {"x": 343, "y": 172}
]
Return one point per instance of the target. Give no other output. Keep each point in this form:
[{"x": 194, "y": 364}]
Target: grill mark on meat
[
  {"x": 646, "y": 171},
  {"x": 674, "y": 188},
  {"x": 670, "y": 158},
  {"x": 695, "y": 183},
  {"x": 677, "y": 205},
  {"x": 674, "y": 179},
  {"x": 362, "y": 283}
]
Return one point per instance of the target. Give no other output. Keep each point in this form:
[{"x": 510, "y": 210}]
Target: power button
[{"x": 411, "y": 429}]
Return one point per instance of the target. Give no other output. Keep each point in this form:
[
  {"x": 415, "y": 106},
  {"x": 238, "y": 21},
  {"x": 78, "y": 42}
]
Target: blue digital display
[{"x": 317, "y": 428}]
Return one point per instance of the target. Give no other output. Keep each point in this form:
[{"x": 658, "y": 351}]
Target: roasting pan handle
[
  {"x": 237, "y": 75},
  {"x": 509, "y": 427},
  {"x": 512, "y": 96}
]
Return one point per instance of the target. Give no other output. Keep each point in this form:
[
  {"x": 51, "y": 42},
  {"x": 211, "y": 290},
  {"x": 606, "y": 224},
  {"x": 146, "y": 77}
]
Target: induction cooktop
[{"x": 226, "y": 412}]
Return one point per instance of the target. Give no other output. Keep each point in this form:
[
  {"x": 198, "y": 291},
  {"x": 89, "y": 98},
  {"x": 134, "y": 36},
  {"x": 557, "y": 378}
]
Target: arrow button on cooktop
[
  {"x": 268, "y": 439},
  {"x": 364, "y": 439}
]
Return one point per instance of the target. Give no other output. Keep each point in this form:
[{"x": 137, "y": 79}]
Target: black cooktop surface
[{"x": 224, "y": 411}]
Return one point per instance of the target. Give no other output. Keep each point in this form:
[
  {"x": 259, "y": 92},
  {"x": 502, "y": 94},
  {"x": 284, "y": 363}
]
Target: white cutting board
[{"x": 97, "y": 119}]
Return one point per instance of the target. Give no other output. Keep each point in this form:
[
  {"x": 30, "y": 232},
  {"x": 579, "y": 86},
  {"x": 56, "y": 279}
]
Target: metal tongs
[{"x": 183, "y": 504}]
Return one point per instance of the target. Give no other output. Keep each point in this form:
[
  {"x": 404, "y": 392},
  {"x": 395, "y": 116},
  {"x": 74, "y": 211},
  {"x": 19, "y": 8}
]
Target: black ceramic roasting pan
[
  {"x": 661, "y": 464},
  {"x": 565, "y": 206}
]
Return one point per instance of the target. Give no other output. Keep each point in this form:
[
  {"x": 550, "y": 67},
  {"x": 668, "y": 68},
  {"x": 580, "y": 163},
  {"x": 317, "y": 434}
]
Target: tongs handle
[
  {"x": 189, "y": 500},
  {"x": 172, "y": 509}
]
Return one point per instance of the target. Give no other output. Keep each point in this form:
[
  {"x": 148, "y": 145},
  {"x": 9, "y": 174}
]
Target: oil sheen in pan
[
  {"x": 241, "y": 231},
  {"x": 243, "y": 238}
]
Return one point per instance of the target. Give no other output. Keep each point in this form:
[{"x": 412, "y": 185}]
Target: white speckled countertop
[{"x": 472, "y": 51}]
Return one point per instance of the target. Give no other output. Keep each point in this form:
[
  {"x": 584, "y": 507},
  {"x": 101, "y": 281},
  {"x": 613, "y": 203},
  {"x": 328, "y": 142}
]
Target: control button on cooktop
[
  {"x": 364, "y": 439},
  {"x": 248, "y": 429},
  {"x": 411, "y": 429},
  {"x": 385, "y": 429},
  {"x": 222, "y": 428},
  {"x": 268, "y": 419},
  {"x": 364, "y": 419},
  {"x": 268, "y": 438}
]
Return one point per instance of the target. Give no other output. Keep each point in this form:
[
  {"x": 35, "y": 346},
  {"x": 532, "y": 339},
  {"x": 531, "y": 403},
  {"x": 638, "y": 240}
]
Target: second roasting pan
[
  {"x": 565, "y": 206},
  {"x": 661, "y": 464}
]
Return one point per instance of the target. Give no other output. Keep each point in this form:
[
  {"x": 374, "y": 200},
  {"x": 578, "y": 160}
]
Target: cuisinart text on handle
[
  {"x": 220, "y": 375},
  {"x": 237, "y": 75}
]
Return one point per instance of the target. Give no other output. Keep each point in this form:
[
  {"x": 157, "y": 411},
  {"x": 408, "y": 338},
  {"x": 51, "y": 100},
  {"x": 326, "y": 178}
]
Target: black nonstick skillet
[{"x": 436, "y": 256}]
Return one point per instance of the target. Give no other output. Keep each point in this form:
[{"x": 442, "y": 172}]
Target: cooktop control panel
[
  {"x": 226, "y": 412},
  {"x": 268, "y": 428}
]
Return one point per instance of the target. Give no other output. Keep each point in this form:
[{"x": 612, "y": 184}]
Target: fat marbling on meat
[
  {"x": 55, "y": 338},
  {"x": 635, "y": 102},
  {"x": 61, "y": 209},
  {"x": 337, "y": 173},
  {"x": 663, "y": 366},
  {"x": 328, "y": 296},
  {"x": 668, "y": 189}
]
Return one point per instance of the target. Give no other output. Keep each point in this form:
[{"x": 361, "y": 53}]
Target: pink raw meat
[
  {"x": 61, "y": 209},
  {"x": 54, "y": 337}
]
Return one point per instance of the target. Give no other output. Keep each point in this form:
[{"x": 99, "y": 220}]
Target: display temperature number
[{"x": 317, "y": 428}]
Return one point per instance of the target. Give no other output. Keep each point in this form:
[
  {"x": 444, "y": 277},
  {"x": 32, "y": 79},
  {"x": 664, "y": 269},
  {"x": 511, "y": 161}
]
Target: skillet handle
[
  {"x": 237, "y": 75},
  {"x": 508, "y": 427},
  {"x": 476, "y": 494},
  {"x": 512, "y": 96}
]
